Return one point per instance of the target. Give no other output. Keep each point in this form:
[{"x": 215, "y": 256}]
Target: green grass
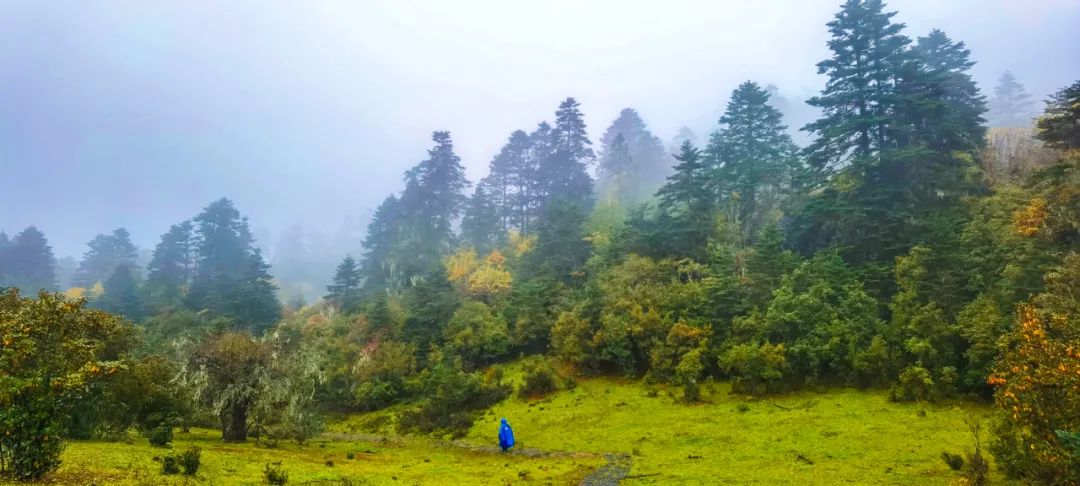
[
  {"x": 850, "y": 436},
  {"x": 403, "y": 462},
  {"x": 836, "y": 437}
]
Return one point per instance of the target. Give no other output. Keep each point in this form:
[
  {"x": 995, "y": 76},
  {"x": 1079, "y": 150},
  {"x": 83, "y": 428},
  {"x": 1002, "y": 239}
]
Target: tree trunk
[{"x": 234, "y": 423}]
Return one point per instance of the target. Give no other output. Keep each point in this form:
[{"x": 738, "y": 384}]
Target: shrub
[
  {"x": 955, "y": 461},
  {"x": 190, "y": 460},
  {"x": 453, "y": 396},
  {"x": 539, "y": 378},
  {"x": 169, "y": 465},
  {"x": 55, "y": 341},
  {"x": 160, "y": 436},
  {"x": 477, "y": 334},
  {"x": 1038, "y": 383},
  {"x": 274, "y": 474},
  {"x": 754, "y": 369},
  {"x": 915, "y": 385}
]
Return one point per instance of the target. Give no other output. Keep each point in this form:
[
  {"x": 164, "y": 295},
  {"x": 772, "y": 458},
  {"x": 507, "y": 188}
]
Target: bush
[
  {"x": 160, "y": 436},
  {"x": 34, "y": 418},
  {"x": 190, "y": 460},
  {"x": 169, "y": 465},
  {"x": 453, "y": 396},
  {"x": 754, "y": 369},
  {"x": 274, "y": 474},
  {"x": 915, "y": 385},
  {"x": 955, "y": 461},
  {"x": 539, "y": 378}
]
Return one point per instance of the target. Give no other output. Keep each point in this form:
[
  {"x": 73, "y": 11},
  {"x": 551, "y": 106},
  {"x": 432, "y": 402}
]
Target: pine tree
[
  {"x": 643, "y": 166},
  {"x": 1012, "y": 106},
  {"x": 480, "y": 227},
  {"x": 343, "y": 291},
  {"x": 562, "y": 174},
  {"x": 619, "y": 173},
  {"x": 379, "y": 266},
  {"x": 433, "y": 199},
  {"x": 224, "y": 240},
  {"x": 561, "y": 248},
  {"x": 30, "y": 265},
  {"x": 170, "y": 269},
  {"x": 105, "y": 254},
  {"x": 511, "y": 182},
  {"x": 121, "y": 295},
  {"x": 752, "y": 156},
  {"x": 252, "y": 302},
  {"x": 231, "y": 279},
  {"x": 952, "y": 105},
  {"x": 687, "y": 203},
  {"x": 859, "y": 98},
  {"x": 1059, "y": 127}
]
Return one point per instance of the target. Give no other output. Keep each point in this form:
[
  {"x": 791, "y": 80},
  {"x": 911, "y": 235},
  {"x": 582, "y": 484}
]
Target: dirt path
[{"x": 610, "y": 474}]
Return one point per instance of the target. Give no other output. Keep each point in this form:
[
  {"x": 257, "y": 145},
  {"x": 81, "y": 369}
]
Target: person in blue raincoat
[{"x": 506, "y": 436}]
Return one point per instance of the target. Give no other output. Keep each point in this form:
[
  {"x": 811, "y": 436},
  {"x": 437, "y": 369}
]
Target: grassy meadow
[{"x": 837, "y": 437}]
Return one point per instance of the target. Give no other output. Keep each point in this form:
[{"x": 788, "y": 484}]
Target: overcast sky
[{"x": 139, "y": 113}]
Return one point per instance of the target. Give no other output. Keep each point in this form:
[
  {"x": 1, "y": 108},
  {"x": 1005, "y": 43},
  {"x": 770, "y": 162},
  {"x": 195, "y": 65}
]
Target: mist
[{"x": 138, "y": 114}]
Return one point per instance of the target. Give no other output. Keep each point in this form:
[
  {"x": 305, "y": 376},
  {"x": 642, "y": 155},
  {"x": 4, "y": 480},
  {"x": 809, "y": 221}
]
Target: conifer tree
[
  {"x": 752, "y": 156},
  {"x": 433, "y": 199},
  {"x": 343, "y": 291},
  {"x": 638, "y": 171},
  {"x": 481, "y": 227},
  {"x": 106, "y": 253},
  {"x": 858, "y": 101},
  {"x": 954, "y": 106},
  {"x": 687, "y": 204},
  {"x": 379, "y": 265},
  {"x": 620, "y": 176},
  {"x": 231, "y": 279},
  {"x": 30, "y": 265},
  {"x": 562, "y": 174},
  {"x": 511, "y": 182},
  {"x": 1012, "y": 106},
  {"x": 1059, "y": 127},
  {"x": 171, "y": 267}
]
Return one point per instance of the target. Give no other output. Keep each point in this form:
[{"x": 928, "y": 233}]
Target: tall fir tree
[
  {"x": 510, "y": 182},
  {"x": 231, "y": 279},
  {"x": 647, "y": 165},
  {"x": 481, "y": 226},
  {"x": 106, "y": 253},
  {"x": 30, "y": 264},
  {"x": 859, "y": 98},
  {"x": 1059, "y": 127},
  {"x": 1011, "y": 106},
  {"x": 433, "y": 200},
  {"x": 954, "y": 106},
  {"x": 752, "y": 157},
  {"x": 687, "y": 204},
  {"x": 343, "y": 292},
  {"x": 379, "y": 265},
  {"x": 172, "y": 265},
  {"x": 563, "y": 173},
  {"x": 620, "y": 176}
]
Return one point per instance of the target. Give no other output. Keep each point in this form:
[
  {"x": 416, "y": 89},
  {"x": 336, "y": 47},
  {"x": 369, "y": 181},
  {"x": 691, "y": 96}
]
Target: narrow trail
[{"x": 610, "y": 474}]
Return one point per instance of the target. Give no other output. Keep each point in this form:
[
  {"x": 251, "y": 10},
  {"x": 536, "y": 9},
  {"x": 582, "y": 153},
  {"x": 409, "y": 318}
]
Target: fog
[{"x": 137, "y": 114}]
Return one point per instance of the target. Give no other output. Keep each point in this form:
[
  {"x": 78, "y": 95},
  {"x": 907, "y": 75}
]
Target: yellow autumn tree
[{"x": 486, "y": 280}]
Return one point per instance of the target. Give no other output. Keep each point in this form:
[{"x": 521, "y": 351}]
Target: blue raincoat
[{"x": 506, "y": 435}]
